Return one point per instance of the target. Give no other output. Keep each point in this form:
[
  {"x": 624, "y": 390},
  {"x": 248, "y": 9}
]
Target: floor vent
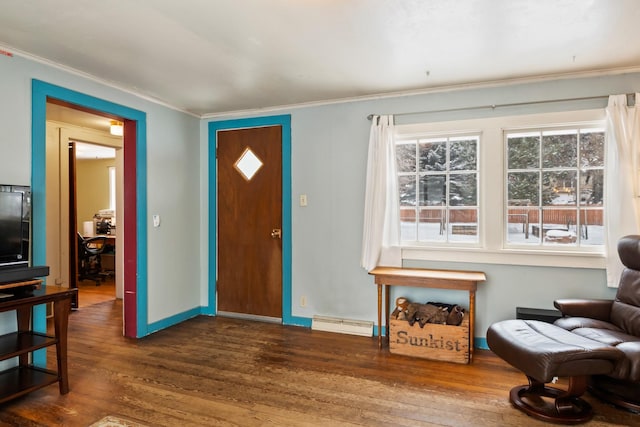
[{"x": 342, "y": 326}]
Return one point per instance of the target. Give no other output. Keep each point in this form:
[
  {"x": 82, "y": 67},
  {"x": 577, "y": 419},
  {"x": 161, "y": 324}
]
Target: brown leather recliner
[{"x": 615, "y": 323}]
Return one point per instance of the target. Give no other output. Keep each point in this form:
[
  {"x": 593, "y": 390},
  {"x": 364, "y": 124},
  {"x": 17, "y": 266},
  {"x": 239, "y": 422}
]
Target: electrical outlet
[{"x": 303, "y": 301}]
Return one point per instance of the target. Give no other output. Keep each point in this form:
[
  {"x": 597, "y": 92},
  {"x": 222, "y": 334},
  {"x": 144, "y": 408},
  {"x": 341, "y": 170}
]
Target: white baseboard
[{"x": 342, "y": 326}]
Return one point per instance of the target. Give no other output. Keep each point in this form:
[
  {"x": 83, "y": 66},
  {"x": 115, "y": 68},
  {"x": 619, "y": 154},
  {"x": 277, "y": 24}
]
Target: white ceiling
[
  {"x": 213, "y": 56},
  {"x": 83, "y": 119}
]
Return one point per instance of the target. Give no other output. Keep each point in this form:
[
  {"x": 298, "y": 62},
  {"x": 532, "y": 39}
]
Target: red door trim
[{"x": 131, "y": 240}]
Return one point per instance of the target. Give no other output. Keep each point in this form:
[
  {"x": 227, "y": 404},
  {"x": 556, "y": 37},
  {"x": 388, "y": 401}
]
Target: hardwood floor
[
  {"x": 89, "y": 293},
  {"x": 211, "y": 371}
]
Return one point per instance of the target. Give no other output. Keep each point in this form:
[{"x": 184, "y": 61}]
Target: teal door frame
[
  {"x": 285, "y": 122},
  {"x": 40, "y": 92}
]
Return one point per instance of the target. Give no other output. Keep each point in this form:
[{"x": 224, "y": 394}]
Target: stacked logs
[{"x": 431, "y": 312}]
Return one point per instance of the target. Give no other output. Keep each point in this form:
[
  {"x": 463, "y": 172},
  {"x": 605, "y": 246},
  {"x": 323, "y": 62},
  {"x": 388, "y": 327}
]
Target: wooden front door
[{"x": 250, "y": 221}]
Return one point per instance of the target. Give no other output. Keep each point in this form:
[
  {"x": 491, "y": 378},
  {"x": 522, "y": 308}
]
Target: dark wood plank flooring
[{"x": 212, "y": 371}]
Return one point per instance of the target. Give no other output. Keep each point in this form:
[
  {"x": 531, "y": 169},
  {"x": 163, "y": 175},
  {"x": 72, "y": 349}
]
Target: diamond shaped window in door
[{"x": 248, "y": 164}]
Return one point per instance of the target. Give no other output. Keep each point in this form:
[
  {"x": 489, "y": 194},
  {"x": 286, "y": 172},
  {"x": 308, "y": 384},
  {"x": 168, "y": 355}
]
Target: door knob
[{"x": 276, "y": 233}]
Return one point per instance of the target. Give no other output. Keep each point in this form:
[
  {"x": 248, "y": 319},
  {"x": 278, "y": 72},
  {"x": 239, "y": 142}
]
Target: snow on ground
[{"x": 430, "y": 232}]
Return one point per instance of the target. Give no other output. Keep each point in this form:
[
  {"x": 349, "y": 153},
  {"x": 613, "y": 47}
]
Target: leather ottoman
[{"x": 543, "y": 351}]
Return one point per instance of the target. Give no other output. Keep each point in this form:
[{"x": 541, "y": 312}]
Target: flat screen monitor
[{"x": 12, "y": 235}]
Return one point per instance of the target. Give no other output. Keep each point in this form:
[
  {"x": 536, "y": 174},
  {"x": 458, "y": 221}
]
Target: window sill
[{"x": 526, "y": 257}]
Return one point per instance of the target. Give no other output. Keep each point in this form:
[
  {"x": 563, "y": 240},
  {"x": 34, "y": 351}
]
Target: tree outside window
[
  {"x": 438, "y": 188},
  {"x": 555, "y": 181}
]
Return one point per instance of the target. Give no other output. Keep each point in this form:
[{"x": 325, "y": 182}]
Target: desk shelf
[
  {"x": 17, "y": 343},
  {"x": 15, "y": 382},
  {"x": 26, "y": 377}
]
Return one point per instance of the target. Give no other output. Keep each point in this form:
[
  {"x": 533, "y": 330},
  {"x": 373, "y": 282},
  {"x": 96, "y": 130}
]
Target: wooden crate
[{"x": 436, "y": 342}]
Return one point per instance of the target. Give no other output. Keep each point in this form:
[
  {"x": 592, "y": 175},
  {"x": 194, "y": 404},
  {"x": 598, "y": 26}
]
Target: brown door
[{"x": 249, "y": 221}]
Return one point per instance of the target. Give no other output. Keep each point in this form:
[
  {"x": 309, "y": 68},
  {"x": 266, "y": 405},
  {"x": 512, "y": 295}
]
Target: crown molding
[
  {"x": 10, "y": 51},
  {"x": 17, "y": 52},
  {"x": 432, "y": 90}
]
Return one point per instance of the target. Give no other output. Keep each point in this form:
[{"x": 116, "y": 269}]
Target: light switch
[
  {"x": 303, "y": 200},
  {"x": 156, "y": 220}
]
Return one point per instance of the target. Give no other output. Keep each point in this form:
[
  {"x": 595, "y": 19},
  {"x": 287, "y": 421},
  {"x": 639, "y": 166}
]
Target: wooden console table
[
  {"x": 441, "y": 279},
  {"x": 26, "y": 377}
]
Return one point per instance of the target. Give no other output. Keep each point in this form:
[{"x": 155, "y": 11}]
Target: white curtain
[
  {"x": 623, "y": 148},
  {"x": 381, "y": 230}
]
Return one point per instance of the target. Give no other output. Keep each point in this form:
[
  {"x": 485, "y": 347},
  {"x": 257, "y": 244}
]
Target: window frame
[
  {"x": 542, "y": 131},
  {"x": 492, "y": 247},
  {"x": 447, "y": 172}
]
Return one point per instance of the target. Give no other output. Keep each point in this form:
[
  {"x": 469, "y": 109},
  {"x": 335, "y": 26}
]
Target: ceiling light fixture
[{"x": 116, "y": 128}]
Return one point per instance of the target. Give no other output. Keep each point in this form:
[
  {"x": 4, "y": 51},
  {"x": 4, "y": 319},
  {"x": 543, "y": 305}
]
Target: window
[
  {"x": 112, "y": 188},
  {"x": 555, "y": 185},
  {"x": 525, "y": 189},
  {"x": 438, "y": 188}
]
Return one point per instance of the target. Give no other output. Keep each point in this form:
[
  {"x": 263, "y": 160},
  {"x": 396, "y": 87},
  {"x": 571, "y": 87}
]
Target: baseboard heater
[{"x": 342, "y": 326}]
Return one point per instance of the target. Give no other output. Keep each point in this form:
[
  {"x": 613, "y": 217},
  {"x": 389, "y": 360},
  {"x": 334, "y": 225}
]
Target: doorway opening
[
  {"x": 84, "y": 166},
  {"x": 134, "y": 195},
  {"x": 95, "y": 263}
]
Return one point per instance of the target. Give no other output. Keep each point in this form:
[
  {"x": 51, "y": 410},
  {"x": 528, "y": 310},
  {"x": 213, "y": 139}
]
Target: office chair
[{"x": 89, "y": 258}]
